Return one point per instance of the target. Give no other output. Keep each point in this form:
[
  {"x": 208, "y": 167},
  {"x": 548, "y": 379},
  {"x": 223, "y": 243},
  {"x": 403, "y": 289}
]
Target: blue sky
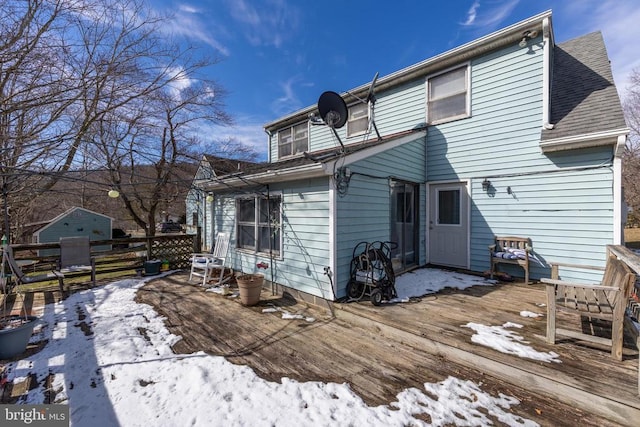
[{"x": 278, "y": 56}]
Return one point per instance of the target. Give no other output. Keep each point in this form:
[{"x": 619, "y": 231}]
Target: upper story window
[
  {"x": 358, "y": 121},
  {"x": 448, "y": 96},
  {"x": 293, "y": 140}
]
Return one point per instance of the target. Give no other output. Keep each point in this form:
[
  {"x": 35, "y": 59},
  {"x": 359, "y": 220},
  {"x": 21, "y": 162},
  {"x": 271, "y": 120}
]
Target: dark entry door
[{"x": 404, "y": 224}]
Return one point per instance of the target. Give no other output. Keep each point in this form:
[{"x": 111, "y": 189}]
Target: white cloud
[
  {"x": 179, "y": 81},
  {"x": 486, "y": 19},
  {"x": 266, "y": 22},
  {"x": 289, "y": 101},
  {"x": 248, "y": 132},
  {"x": 188, "y": 8},
  {"x": 471, "y": 14},
  {"x": 186, "y": 21}
]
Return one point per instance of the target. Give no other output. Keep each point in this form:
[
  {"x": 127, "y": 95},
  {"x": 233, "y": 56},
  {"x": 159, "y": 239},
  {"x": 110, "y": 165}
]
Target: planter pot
[
  {"x": 151, "y": 268},
  {"x": 14, "y": 340},
  {"x": 250, "y": 286}
]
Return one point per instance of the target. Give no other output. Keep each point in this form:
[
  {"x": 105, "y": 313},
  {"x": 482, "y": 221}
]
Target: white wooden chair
[{"x": 204, "y": 264}]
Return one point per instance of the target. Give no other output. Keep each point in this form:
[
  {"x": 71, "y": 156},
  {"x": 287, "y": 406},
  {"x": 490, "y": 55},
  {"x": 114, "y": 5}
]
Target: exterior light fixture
[
  {"x": 114, "y": 194},
  {"x": 486, "y": 184},
  {"x": 527, "y": 35},
  {"x": 209, "y": 198}
]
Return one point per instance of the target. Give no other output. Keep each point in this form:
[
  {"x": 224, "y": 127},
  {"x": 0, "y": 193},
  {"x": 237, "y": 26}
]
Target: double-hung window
[
  {"x": 293, "y": 140},
  {"x": 448, "y": 96},
  {"x": 258, "y": 222},
  {"x": 358, "y": 121}
]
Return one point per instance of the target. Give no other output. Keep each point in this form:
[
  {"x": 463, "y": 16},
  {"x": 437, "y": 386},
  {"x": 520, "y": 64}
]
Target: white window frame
[
  {"x": 351, "y": 120},
  {"x": 292, "y": 142},
  {"x": 256, "y": 224},
  {"x": 466, "y": 91}
]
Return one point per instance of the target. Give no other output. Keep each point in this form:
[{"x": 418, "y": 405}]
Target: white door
[{"x": 449, "y": 225}]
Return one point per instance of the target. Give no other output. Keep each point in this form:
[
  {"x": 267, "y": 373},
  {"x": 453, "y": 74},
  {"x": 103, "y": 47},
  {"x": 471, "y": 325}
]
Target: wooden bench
[
  {"x": 518, "y": 247},
  {"x": 606, "y": 301}
]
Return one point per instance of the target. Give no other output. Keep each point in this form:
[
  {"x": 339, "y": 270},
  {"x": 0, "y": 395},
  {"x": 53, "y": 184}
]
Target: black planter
[{"x": 14, "y": 340}]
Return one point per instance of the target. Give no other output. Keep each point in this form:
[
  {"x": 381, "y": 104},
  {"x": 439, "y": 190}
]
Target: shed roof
[{"x": 584, "y": 99}]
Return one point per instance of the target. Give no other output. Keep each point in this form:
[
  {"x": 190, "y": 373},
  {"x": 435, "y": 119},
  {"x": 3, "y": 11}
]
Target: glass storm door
[{"x": 404, "y": 225}]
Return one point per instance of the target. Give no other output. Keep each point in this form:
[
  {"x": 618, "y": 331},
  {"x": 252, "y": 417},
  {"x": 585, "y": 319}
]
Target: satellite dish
[{"x": 332, "y": 109}]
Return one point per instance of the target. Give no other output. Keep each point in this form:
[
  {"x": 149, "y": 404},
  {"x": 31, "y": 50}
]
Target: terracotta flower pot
[
  {"x": 14, "y": 337},
  {"x": 250, "y": 286}
]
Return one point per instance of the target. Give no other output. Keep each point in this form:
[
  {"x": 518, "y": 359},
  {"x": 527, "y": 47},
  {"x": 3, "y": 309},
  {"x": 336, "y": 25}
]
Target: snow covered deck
[
  {"x": 467, "y": 351},
  {"x": 493, "y": 334}
]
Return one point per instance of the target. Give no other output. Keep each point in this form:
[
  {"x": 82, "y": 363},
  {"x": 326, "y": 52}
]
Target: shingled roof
[
  {"x": 224, "y": 166},
  {"x": 584, "y": 98}
]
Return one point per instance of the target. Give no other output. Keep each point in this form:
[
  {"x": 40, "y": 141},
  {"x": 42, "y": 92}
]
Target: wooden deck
[{"x": 380, "y": 351}]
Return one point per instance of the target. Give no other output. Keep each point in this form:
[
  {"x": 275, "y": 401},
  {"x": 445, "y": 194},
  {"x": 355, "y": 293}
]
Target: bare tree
[
  {"x": 75, "y": 71},
  {"x": 146, "y": 148},
  {"x": 631, "y": 164}
]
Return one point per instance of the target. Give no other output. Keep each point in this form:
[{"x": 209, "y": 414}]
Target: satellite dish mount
[{"x": 333, "y": 111}]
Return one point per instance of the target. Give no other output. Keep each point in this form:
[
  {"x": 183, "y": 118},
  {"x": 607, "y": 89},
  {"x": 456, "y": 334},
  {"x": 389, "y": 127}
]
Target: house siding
[
  {"x": 563, "y": 200},
  {"x": 559, "y": 201},
  {"x": 363, "y": 213},
  {"x": 305, "y": 252},
  {"x": 397, "y": 109}
]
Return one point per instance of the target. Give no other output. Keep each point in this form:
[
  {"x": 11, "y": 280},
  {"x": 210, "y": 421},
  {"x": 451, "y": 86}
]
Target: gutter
[
  {"x": 586, "y": 140},
  {"x": 488, "y": 43}
]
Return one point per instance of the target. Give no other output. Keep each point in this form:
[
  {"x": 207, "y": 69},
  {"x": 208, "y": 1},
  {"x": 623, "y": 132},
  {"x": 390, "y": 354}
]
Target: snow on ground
[{"x": 112, "y": 363}]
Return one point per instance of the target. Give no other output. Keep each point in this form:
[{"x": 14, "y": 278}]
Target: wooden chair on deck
[
  {"x": 204, "y": 264},
  {"x": 75, "y": 256},
  {"x": 606, "y": 301}
]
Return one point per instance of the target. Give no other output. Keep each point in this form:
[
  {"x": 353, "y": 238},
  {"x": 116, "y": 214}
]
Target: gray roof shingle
[{"x": 584, "y": 98}]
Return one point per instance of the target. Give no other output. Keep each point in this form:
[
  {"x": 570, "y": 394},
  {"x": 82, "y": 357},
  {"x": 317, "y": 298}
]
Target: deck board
[{"x": 380, "y": 351}]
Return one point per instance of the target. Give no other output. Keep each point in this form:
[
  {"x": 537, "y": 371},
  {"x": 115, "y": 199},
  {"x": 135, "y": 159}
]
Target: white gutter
[
  {"x": 585, "y": 140},
  {"x": 547, "y": 69},
  {"x": 490, "y": 42}
]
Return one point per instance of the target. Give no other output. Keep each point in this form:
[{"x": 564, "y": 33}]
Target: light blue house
[{"x": 538, "y": 123}]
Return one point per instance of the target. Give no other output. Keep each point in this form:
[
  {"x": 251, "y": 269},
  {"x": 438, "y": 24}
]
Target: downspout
[
  {"x": 269, "y": 135},
  {"x": 617, "y": 190},
  {"x": 547, "y": 43}
]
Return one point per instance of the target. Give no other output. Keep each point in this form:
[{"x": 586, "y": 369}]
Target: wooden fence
[{"x": 127, "y": 254}]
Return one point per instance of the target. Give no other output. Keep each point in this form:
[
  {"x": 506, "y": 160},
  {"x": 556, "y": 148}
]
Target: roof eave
[
  {"x": 267, "y": 177},
  {"x": 488, "y": 43},
  {"x": 595, "y": 139}
]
